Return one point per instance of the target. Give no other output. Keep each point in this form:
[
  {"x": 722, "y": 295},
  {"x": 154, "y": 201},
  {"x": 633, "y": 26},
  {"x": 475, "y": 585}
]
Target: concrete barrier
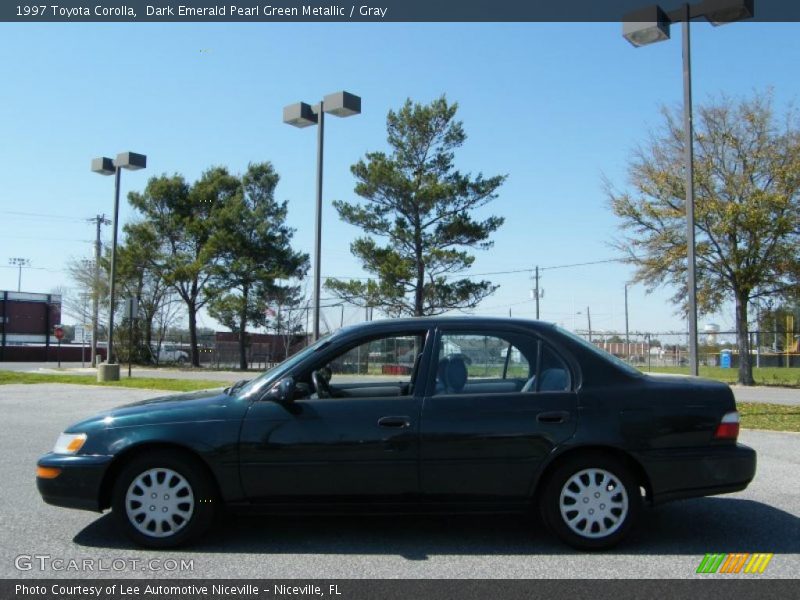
[{"x": 107, "y": 372}]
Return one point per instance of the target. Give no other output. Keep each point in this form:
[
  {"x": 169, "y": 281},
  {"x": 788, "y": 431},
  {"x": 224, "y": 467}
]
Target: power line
[
  {"x": 49, "y": 239},
  {"x": 508, "y": 272},
  {"x": 585, "y": 264},
  {"x": 39, "y": 215},
  {"x": 33, "y": 268}
]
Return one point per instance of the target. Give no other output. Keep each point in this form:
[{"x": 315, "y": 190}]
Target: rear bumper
[
  {"x": 675, "y": 474},
  {"x": 78, "y": 485}
]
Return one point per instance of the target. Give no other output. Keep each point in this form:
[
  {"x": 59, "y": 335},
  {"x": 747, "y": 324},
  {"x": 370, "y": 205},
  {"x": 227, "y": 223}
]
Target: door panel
[
  {"x": 489, "y": 445},
  {"x": 330, "y": 447},
  {"x": 361, "y": 438},
  {"x": 481, "y": 437}
]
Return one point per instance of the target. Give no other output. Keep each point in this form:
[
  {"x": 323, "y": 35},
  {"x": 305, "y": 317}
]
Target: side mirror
[{"x": 282, "y": 391}]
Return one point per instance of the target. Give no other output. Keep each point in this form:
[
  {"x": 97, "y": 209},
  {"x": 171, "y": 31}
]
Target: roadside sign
[
  {"x": 59, "y": 332},
  {"x": 83, "y": 334}
]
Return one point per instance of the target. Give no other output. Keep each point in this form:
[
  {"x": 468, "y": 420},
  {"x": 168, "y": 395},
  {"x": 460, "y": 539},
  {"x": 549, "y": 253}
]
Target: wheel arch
[
  {"x": 626, "y": 458},
  {"x": 122, "y": 459}
]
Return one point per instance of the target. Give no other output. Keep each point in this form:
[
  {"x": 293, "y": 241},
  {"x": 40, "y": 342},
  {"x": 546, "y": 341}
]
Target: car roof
[{"x": 412, "y": 322}]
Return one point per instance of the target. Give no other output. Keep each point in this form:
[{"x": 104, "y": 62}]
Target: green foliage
[
  {"x": 221, "y": 242},
  {"x": 149, "y": 383},
  {"x": 772, "y": 417},
  {"x": 421, "y": 205},
  {"x": 747, "y": 208},
  {"x": 766, "y": 376},
  {"x": 185, "y": 221},
  {"x": 253, "y": 244}
]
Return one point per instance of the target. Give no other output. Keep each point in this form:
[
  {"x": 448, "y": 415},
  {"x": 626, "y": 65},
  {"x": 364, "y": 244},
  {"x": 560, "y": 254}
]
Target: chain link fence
[{"x": 646, "y": 350}]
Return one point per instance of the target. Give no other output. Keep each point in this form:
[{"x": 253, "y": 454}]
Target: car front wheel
[
  {"x": 163, "y": 501},
  {"x": 591, "y": 502}
]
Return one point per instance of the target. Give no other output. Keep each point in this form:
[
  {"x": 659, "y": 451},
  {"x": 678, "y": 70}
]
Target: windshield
[
  {"x": 270, "y": 376},
  {"x": 600, "y": 352}
]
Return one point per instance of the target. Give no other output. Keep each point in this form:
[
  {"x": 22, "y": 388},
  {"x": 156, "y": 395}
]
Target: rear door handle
[
  {"x": 559, "y": 416},
  {"x": 394, "y": 422}
]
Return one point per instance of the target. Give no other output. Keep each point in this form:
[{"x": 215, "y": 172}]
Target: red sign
[{"x": 59, "y": 333}]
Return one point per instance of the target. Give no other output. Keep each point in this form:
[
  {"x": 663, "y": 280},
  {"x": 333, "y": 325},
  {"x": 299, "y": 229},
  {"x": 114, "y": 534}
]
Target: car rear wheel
[
  {"x": 163, "y": 501},
  {"x": 591, "y": 502}
]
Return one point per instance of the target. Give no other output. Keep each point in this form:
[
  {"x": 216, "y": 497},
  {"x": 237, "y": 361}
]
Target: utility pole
[
  {"x": 589, "y": 319},
  {"x": 627, "y": 335},
  {"x": 19, "y": 262},
  {"x": 99, "y": 221},
  {"x": 536, "y": 291}
]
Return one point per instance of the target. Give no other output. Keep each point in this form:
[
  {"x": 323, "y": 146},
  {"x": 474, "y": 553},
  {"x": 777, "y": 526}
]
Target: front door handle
[
  {"x": 559, "y": 416},
  {"x": 394, "y": 422}
]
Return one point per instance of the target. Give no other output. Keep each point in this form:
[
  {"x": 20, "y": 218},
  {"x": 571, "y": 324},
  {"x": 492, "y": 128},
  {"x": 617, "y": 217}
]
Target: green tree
[
  {"x": 421, "y": 205},
  {"x": 139, "y": 277},
  {"x": 186, "y": 219},
  {"x": 747, "y": 178},
  {"x": 288, "y": 306},
  {"x": 254, "y": 249}
]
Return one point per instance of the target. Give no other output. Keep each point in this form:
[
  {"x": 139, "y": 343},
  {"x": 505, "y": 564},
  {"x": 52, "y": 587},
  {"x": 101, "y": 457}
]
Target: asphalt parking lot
[{"x": 670, "y": 541}]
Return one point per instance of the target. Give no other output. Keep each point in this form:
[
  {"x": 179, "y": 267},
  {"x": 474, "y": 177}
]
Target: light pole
[
  {"x": 341, "y": 104},
  {"x": 19, "y": 262},
  {"x": 650, "y": 25},
  {"x": 106, "y": 166}
]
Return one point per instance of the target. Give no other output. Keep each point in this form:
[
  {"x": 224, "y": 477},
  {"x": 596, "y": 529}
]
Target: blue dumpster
[{"x": 725, "y": 359}]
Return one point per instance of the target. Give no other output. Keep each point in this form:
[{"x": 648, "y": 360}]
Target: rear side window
[
  {"x": 553, "y": 375},
  {"x": 478, "y": 363}
]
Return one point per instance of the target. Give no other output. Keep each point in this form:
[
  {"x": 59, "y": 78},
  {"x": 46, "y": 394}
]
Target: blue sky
[{"x": 554, "y": 106}]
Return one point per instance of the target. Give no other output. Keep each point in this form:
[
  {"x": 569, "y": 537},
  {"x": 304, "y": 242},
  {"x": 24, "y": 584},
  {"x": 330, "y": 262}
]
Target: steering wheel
[{"x": 320, "y": 381}]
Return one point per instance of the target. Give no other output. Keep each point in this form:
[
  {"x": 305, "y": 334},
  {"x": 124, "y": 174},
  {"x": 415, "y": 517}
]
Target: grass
[
  {"x": 147, "y": 383},
  {"x": 774, "y": 376},
  {"x": 774, "y": 417}
]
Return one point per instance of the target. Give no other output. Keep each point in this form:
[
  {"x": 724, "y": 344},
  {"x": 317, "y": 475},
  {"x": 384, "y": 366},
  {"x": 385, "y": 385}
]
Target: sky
[{"x": 556, "y": 107}]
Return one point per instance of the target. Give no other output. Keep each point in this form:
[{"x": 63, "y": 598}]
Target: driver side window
[{"x": 382, "y": 366}]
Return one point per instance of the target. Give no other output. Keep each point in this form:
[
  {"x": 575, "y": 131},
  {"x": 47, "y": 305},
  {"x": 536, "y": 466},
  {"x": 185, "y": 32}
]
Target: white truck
[{"x": 169, "y": 353}]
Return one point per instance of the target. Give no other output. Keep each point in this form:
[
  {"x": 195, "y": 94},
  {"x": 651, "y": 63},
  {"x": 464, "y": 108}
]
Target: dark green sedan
[{"x": 413, "y": 415}]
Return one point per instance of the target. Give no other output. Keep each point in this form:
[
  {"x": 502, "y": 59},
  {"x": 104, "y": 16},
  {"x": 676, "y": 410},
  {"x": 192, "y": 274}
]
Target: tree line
[{"x": 222, "y": 243}]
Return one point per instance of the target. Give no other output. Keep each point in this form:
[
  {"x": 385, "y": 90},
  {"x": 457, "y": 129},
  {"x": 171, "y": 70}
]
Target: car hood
[{"x": 205, "y": 405}]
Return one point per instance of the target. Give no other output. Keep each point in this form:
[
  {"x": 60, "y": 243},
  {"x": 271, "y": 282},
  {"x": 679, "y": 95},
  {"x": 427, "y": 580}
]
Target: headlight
[{"x": 69, "y": 443}]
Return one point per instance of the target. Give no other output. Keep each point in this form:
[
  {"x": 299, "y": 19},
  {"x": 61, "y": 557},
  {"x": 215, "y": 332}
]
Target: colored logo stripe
[
  {"x": 710, "y": 563},
  {"x": 758, "y": 563},
  {"x": 734, "y": 562}
]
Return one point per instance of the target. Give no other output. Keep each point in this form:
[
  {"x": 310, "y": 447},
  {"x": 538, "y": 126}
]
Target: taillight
[{"x": 728, "y": 428}]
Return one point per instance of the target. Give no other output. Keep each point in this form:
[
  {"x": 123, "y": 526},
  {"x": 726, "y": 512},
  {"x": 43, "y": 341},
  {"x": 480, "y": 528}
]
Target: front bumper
[
  {"x": 78, "y": 485},
  {"x": 693, "y": 472}
]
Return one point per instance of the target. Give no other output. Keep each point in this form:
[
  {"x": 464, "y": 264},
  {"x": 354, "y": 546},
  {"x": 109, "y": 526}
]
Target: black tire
[
  {"x": 156, "y": 467},
  {"x": 620, "y": 499}
]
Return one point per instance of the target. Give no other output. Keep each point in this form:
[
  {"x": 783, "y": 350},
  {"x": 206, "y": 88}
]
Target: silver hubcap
[
  {"x": 593, "y": 503},
  {"x": 159, "y": 502}
]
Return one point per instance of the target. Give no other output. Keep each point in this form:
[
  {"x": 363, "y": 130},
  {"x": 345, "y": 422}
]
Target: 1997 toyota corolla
[{"x": 410, "y": 415}]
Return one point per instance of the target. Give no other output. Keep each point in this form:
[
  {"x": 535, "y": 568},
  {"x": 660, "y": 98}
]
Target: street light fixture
[
  {"x": 105, "y": 166},
  {"x": 19, "y": 262},
  {"x": 647, "y": 26},
  {"x": 340, "y": 104}
]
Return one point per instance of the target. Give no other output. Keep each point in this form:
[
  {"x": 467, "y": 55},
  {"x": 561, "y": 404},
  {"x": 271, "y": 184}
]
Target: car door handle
[
  {"x": 394, "y": 422},
  {"x": 559, "y": 416}
]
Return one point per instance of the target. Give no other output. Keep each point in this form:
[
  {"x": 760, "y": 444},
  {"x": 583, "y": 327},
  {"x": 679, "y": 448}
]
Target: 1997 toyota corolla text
[{"x": 427, "y": 414}]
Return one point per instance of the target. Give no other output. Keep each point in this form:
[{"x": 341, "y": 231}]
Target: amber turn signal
[{"x": 47, "y": 472}]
